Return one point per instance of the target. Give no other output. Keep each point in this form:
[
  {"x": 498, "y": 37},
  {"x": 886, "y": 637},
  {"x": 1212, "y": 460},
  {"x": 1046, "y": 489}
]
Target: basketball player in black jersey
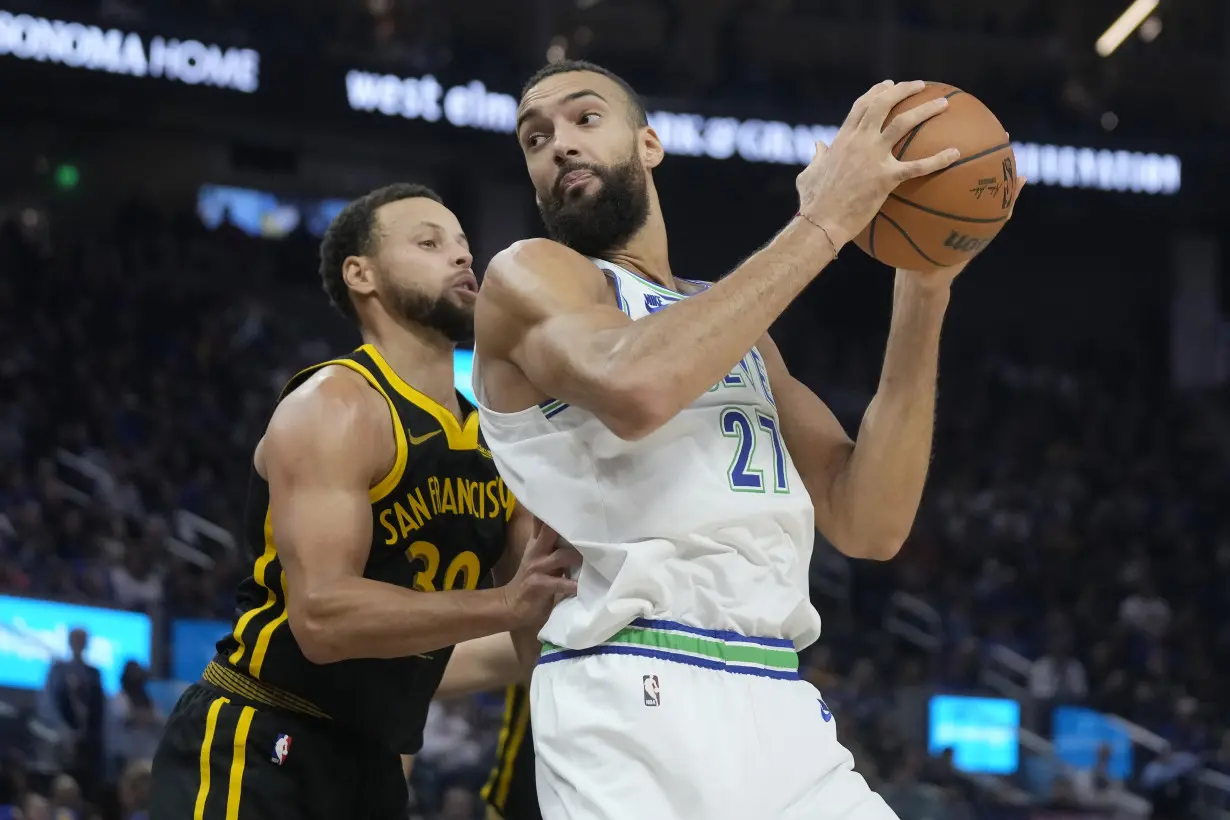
[
  {"x": 485, "y": 665},
  {"x": 374, "y": 510}
]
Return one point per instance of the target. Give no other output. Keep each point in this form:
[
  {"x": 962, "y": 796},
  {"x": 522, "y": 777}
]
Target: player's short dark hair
[
  {"x": 353, "y": 233},
  {"x": 636, "y": 108}
]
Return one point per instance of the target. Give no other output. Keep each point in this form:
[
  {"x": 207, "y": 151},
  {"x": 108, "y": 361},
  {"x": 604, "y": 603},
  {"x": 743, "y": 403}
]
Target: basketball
[{"x": 950, "y": 216}]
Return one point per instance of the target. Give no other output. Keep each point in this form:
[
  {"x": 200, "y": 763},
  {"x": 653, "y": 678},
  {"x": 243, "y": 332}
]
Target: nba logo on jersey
[
  {"x": 281, "y": 749},
  {"x": 653, "y": 695}
]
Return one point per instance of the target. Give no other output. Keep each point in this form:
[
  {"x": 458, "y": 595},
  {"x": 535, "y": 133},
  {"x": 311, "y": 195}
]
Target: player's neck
[
  {"x": 421, "y": 357},
  {"x": 647, "y": 253}
]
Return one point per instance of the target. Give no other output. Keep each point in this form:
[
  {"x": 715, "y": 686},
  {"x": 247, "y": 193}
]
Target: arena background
[{"x": 1056, "y": 619}]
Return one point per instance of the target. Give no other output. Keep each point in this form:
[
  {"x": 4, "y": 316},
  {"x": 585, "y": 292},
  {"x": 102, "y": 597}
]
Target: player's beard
[
  {"x": 452, "y": 320},
  {"x": 594, "y": 224}
]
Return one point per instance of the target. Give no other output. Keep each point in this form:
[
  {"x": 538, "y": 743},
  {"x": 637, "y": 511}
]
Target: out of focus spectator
[
  {"x": 1095, "y": 787},
  {"x": 1057, "y": 676},
  {"x": 1167, "y": 781},
  {"x": 1145, "y": 611},
  {"x": 13, "y": 783},
  {"x": 134, "y": 791},
  {"x": 135, "y": 723},
  {"x": 452, "y": 753},
  {"x": 458, "y": 804},
  {"x": 76, "y": 707},
  {"x": 135, "y": 583},
  {"x": 66, "y": 800}
]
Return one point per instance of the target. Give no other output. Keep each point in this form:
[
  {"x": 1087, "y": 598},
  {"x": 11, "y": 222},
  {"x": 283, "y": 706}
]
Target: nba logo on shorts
[
  {"x": 281, "y": 749},
  {"x": 653, "y": 694}
]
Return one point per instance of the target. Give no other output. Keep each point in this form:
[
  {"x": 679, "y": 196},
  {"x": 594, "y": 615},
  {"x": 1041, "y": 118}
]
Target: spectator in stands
[
  {"x": 1095, "y": 787},
  {"x": 1056, "y": 678},
  {"x": 13, "y": 784},
  {"x": 37, "y": 807},
  {"x": 1145, "y": 611},
  {"x": 1167, "y": 782},
  {"x": 66, "y": 800},
  {"x": 458, "y": 804},
  {"x": 452, "y": 755},
  {"x": 76, "y": 707},
  {"x": 136, "y": 584},
  {"x": 1220, "y": 761},
  {"x": 134, "y": 791},
  {"x": 135, "y": 723}
]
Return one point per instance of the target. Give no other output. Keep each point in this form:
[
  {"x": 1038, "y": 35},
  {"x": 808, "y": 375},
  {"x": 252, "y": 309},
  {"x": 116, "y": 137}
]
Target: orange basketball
[{"x": 949, "y": 216}]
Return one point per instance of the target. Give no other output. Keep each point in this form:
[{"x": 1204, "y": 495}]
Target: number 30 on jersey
[
  {"x": 461, "y": 573},
  {"x": 745, "y": 425}
]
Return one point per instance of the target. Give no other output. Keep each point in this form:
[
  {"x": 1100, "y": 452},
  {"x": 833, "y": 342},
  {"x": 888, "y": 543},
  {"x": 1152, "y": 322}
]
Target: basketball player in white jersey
[{"x": 651, "y": 422}]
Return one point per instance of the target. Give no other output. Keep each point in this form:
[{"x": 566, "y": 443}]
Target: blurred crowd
[{"x": 1075, "y": 517}]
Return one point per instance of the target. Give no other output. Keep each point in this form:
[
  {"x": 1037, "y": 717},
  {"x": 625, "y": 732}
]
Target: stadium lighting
[{"x": 1128, "y": 22}]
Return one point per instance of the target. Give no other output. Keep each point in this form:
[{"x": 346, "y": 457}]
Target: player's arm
[
  {"x": 327, "y": 444},
  {"x": 544, "y": 307},
  {"x": 482, "y": 665},
  {"x": 547, "y": 307},
  {"x": 524, "y": 531},
  {"x": 866, "y": 492}
]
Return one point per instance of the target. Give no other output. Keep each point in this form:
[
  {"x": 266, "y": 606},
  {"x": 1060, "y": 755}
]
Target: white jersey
[{"x": 705, "y": 521}]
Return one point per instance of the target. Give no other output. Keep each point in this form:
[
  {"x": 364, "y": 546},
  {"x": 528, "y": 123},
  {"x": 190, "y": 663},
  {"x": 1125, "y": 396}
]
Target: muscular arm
[
  {"x": 866, "y": 492},
  {"x": 482, "y": 665},
  {"x": 542, "y": 308},
  {"x": 327, "y": 443}
]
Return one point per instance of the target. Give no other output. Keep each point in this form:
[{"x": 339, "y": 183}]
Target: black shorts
[{"x": 222, "y": 758}]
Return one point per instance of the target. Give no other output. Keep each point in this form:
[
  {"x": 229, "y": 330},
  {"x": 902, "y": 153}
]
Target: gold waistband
[{"x": 257, "y": 691}]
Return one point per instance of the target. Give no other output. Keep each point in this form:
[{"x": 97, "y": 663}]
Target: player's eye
[
  {"x": 589, "y": 118},
  {"x": 534, "y": 140},
  {"x": 428, "y": 243}
]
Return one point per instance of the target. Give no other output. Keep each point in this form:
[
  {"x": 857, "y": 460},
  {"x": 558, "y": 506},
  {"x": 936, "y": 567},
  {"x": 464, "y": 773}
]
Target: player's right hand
[
  {"x": 542, "y": 578},
  {"x": 847, "y": 182}
]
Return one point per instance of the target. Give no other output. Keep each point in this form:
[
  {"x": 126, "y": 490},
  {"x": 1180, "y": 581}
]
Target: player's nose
[
  {"x": 565, "y": 150},
  {"x": 464, "y": 259}
]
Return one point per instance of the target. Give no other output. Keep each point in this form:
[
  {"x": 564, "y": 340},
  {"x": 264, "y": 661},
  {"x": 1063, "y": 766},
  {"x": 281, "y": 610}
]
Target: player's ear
[
  {"x": 652, "y": 152},
  {"x": 358, "y": 275}
]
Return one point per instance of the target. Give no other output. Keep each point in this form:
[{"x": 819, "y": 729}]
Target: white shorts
[{"x": 671, "y": 722}]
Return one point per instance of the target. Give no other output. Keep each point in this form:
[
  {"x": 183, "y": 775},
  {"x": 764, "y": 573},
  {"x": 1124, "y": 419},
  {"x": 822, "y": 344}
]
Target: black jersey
[
  {"x": 439, "y": 520},
  {"x": 511, "y": 790}
]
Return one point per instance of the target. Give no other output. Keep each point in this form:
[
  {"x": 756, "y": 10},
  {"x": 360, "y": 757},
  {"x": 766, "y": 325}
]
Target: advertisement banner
[
  {"x": 1079, "y": 734},
  {"x": 304, "y": 86},
  {"x": 473, "y": 105},
  {"x": 34, "y": 633},
  {"x": 983, "y": 733},
  {"x": 192, "y": 646},
  {"x": 113, "y": 51}
]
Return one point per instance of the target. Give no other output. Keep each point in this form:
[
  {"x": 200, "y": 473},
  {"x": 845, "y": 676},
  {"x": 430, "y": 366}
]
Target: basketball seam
[
  {"x": 871, "y": 237},
  {"x": 953, "y": 217},
  {"x": 979, "y": 155},
  {"x": 913, "y": 245},
  {"x": 914, "y": 131}
]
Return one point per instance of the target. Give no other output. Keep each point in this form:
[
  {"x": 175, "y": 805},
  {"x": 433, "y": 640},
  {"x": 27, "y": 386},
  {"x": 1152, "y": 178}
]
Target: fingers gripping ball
[{"x": 947, "y": 217}]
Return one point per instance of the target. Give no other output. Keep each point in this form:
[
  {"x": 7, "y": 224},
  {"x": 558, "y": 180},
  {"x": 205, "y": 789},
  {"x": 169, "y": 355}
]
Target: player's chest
[{"x": 443, "y": 526}]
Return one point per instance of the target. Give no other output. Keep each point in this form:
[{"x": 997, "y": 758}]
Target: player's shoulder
[
  {"x": 334, "y": 406},
  {"x": 534, "y": 262}
]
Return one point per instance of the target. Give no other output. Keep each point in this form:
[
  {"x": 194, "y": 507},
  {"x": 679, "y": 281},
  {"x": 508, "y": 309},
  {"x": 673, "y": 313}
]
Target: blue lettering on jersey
[
  {"x": 764, "y": 376},
  {"x": 655, "y": 302}
]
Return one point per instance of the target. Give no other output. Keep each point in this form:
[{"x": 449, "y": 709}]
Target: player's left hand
[{"x": 943, "y": 277}]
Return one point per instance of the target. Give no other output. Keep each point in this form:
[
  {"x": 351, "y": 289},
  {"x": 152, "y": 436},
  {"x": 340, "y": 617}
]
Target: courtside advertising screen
[
  {"x": 1080, "y": 733},
  {"x": 983, "y": 733},
  {"x": 34, "y": 633},
  {"x": 192, "y": 646}
]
